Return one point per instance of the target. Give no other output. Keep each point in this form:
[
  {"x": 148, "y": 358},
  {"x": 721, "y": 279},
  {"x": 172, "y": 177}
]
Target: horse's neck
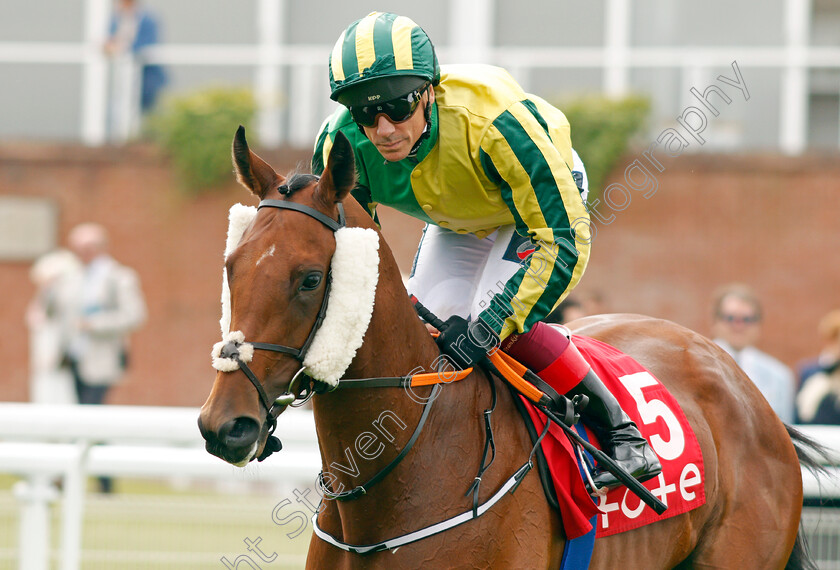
[
  {"x": 396, "y": 341},
  {"x": 395, "y": 344}
]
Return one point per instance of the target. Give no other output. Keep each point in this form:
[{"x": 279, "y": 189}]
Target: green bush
[
  {"x": 196, "y": 131},
  {"x": 602, "y": 129}
]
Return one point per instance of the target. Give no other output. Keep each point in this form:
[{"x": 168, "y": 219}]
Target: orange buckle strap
[
  {"x": 430, "y": 378},
  {"x": 513, "y": 371},
  {"x": 443, "y": 377}
]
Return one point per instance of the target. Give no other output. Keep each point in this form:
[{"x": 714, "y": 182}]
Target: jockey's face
[{"x": 395, "y": 140}]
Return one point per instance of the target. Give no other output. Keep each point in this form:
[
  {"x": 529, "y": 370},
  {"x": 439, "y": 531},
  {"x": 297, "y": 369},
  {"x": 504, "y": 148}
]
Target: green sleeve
[{"x": 536, "y": 184}]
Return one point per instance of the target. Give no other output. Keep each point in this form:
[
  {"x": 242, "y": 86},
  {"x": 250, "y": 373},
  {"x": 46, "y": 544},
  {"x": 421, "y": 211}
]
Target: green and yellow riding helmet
[{"x": 381, "y": 57}]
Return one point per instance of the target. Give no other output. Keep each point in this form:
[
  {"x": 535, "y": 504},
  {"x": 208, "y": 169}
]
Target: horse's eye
[{"x": 311, "y": 281}]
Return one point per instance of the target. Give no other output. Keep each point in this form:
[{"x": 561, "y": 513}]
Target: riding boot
[
  {"x": 548, "y": 350},
  {"x": 619, "y": 436}
]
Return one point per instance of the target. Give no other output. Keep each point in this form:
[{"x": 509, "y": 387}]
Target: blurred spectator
[
  {"x": 568, "y": 310},
  {"x": 818, "y": 401},
  {"x": 828, "y": 330},
  {"x": 737, "y": 328},
  {"x": 99, "y": 305},
  {"x": 133, "y": 28},
  {"x": 50, "y": 382}
]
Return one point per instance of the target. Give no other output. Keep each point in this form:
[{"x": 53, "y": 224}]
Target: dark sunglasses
[
  {"x": 738, "y": 319},
  {"x": 398, "y": 110}
]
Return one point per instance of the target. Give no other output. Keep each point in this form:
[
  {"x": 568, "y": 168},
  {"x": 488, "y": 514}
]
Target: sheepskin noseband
[
  {"x": 231, "y": 347},
  {"x": 355, "y": 274}
]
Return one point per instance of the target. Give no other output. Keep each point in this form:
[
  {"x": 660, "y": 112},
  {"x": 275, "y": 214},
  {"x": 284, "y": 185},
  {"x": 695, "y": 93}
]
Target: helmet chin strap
[
  {"x": 423, "y": 136},
  {"x": 427, "y": 131}
]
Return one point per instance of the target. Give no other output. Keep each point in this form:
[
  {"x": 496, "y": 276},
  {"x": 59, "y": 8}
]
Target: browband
[{"x": 326, "y": 220}]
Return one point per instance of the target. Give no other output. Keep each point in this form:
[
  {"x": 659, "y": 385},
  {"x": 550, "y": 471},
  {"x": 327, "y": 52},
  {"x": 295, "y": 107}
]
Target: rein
[{"x": 362, "y": 489}]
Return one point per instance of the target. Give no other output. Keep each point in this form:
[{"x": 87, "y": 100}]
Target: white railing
[
  {"x": 306, "y": 89},
  {"x": 307, "y": 92},
  {"x": 825, "y": 487},
  {"x": 44, "y": 442}
]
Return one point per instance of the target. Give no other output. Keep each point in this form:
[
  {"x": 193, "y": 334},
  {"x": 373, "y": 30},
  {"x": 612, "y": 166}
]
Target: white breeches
[{"x": 458, "y": 274}]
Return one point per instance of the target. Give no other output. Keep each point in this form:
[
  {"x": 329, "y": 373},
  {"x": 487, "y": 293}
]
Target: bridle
[{"x": 291, "y": 397}]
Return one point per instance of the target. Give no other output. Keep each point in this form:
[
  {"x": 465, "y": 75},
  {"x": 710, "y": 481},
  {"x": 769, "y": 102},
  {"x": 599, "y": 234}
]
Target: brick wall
[
  {"x": 769, "y": 221},
  {"x": 766, "y": 221}
]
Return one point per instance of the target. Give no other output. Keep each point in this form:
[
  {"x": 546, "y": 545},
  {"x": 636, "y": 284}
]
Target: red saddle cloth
[{"x": 661, "y": 421}]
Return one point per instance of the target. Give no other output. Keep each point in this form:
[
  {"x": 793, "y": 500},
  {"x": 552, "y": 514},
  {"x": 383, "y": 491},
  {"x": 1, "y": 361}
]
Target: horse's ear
[
  {"x": 251, "y": 171},
  {"x": 340, "y": 174}
]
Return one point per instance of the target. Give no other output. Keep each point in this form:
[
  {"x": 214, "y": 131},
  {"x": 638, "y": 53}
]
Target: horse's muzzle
[{"x": 236, "y": 441}]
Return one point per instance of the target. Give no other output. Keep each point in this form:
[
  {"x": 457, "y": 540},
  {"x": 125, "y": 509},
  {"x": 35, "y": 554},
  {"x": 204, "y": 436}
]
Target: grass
[{"x": 149, "y": 524}]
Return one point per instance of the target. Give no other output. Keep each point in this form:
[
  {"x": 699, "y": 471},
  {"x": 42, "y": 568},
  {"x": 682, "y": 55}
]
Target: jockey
[{"x": 491, "y": 171}]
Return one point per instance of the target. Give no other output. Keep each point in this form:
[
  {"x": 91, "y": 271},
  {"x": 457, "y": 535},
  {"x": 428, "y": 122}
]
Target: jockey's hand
[
  {"x": 465, "y": 342},
  {"x": 432, "y": 330}
]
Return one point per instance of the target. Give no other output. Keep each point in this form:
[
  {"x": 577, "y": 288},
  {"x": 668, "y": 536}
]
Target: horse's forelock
[{"x": 297, "y": 181}]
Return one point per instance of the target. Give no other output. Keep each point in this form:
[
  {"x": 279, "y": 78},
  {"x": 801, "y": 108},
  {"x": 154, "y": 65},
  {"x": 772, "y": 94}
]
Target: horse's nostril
[
  {"x": 240, "y": 428},
  {"x": 241, "y": 432}
]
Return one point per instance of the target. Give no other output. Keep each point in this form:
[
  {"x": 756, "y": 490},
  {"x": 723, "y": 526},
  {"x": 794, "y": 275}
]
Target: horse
[{"x": 278, "y": 274}]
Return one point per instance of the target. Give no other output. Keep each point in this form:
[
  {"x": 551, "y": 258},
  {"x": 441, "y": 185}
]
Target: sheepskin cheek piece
[{"x": 355, "y": 274}]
